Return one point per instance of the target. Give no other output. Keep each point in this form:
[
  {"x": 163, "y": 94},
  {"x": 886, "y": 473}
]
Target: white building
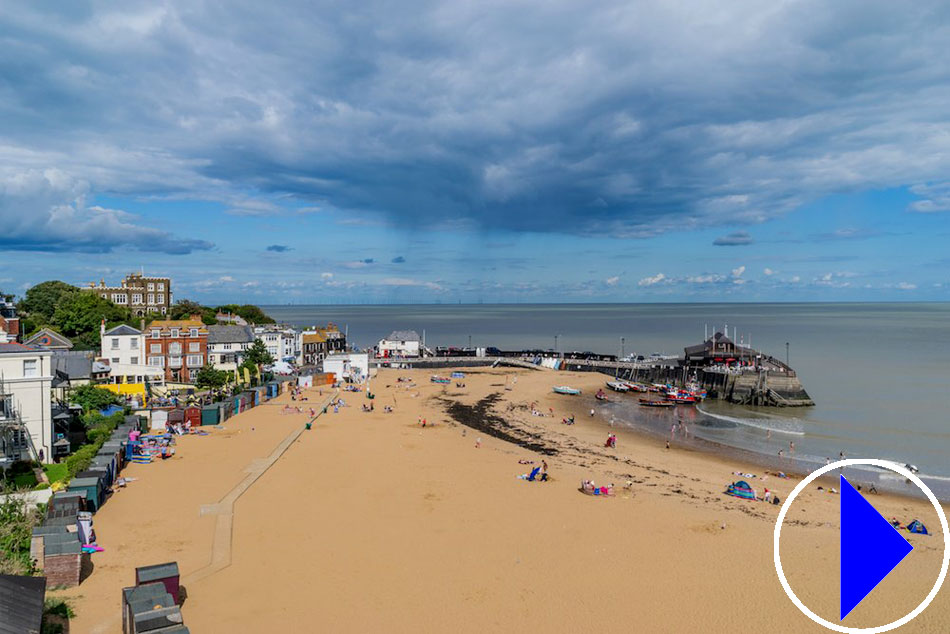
[
  {"x": 25, "y": 377},
  {"x": 349, "y": 366},
  {"x": 284, "y": 344},
  {"x": 401, "y": 343},
  {"x": 122, "y": 345},
  {"x": 227, "y": 346}
]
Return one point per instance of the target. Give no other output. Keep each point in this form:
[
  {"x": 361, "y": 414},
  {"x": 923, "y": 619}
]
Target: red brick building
[
  {"x": 9, "y": 322},
  {"x": 178, "y": 346}
]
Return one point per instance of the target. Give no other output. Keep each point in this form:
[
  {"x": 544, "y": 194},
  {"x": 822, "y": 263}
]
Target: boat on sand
[{"x": 564, "y": 389}]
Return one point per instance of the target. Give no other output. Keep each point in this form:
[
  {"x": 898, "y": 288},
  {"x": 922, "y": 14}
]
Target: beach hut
[
  {"x": 166, "y": 573},
  {"x": 143, "y": 598},
  {"x": 62, "y": 559},
  {"x": 272, "y": 389},
  {"x": 741, "y": 489},
  {"x": 21, "y": 603},
  {"x": 92, "y": 490},
  {"x": 917, "y": 527},
  {"x": 159, "y": 418},
  {"x": 159, "y": 620},
  {"x": 210, "y": 414},
  {"x": 248, "y": 397},
  {"x": 193, "y": 416},
  {"x": 176, "y": 417}
]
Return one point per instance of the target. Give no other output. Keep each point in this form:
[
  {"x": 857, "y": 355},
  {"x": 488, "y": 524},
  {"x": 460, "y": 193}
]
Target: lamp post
[
  {"x": 470, "y": 342},
  {"x": 622, "y": 340},
  {"x": 786, "y": 354},
  {"x": 555, "y": 342}
]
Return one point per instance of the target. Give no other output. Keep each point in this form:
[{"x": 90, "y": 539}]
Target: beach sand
[{"x": 371, "y": 523}]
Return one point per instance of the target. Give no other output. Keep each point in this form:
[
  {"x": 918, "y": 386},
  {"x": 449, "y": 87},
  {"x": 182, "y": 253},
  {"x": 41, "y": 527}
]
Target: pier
[{"x": 727, "y": 371}]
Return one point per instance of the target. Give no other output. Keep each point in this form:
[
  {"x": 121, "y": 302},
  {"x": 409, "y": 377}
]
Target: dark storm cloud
[
  {"x": 624, "y": 118},
  {"x": 734, "y": 239},
  {"x": 279, "y": 248}
]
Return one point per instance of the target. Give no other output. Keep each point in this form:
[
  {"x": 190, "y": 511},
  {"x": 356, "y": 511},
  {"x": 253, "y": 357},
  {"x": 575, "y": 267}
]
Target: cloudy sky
[{"x": 479, "y": 150}]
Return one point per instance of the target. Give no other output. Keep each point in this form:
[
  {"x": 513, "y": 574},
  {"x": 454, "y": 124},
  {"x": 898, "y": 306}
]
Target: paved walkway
[{"x": 224, "y": 509}]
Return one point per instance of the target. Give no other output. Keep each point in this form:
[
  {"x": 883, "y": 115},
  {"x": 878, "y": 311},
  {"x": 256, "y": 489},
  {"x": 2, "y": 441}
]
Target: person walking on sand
[
  {"x": 592, "y": 412},
  {"x": 667, "y": 444},
  {"x": 791, "y": 446},
  {"x": 478, "y": 442}
]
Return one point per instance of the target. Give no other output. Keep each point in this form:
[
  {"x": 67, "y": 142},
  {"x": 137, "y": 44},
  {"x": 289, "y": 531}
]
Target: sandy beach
[{"x": 369, "y": 522}]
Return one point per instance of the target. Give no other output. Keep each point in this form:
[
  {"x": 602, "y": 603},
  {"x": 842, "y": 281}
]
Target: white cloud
[
  {"x": 737, "y": 272},
  {"x": 612, "y": 281},
  {"x": 768, "y": 271},
  {"x": 226, "y": 278},
  {"x": 326, "y": 276},
  {"x": 652, "y": 281},
  {"x": 906, "y": 286}
]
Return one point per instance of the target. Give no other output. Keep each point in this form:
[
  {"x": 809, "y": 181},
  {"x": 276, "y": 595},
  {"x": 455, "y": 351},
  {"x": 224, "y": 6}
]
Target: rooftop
[
  {"x": 230, "y": 334},
  {"x": 123, "y": 330},
  {"x": 403, "y": 335}
]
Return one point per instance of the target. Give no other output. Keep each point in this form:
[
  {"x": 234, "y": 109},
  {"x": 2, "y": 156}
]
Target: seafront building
[
  {"x": 26, "y": 426},
  {"x": 227, "y": 345},
  {"x": 179, "y": 347},
  {"x": 49, "y": 339},
  {"x": 400, "y": 344},
  {"x": 318, "y": 342},
  {"x": 282, "y": 342},
  {"x": 122, "y": 349},
  {"x": 138, "y": 293}
]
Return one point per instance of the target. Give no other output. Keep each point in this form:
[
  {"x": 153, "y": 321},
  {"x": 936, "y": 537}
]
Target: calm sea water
[{"x": 879, "y": 373}]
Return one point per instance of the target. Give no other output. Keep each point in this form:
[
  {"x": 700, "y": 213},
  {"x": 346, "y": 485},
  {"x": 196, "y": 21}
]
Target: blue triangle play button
[{"x": 870, "y": 548}]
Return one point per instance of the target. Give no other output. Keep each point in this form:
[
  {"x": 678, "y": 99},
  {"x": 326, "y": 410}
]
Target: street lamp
[
  {"x": 555, "y": 342},
  {"x": 786, "y": 354},
  {"x": 622, "y": 348}
]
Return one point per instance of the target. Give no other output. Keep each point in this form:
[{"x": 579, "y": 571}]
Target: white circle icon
[{"x": 884, "y": 464}]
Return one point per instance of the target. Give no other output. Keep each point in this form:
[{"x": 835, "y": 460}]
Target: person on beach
[
  {"x": 768, "y": 495},
  {"x": 780, "y": 453},
  {"x": 592, "y": 412},
  {"x": 478, "y": 442},
  {"x": 667, "y": 444},
  {"x": 791, "y": 446}
]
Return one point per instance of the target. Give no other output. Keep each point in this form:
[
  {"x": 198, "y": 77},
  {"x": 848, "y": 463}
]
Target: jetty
[{"x": 726, "y": 370}]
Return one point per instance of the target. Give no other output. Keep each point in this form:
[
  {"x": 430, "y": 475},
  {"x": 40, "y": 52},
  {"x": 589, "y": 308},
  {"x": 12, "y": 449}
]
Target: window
[
  {"x": 193, "y": 375},
  {"x": 156, "y": 333},
  {"x": 115, "y": 359},
  {"x": 135, "y": 343},
  {"x": 164, "y": 310},
  {"x": 161, "y": 298},
  {"x": 174, "y": 348},
  {"x": 115, "y": 343},
  {"x": 227, "y": 346},
  {"x": 160, "y": 286},
  {"x": 193, "y": 332},
  {"x": 151, "y": 298},
  {"x": 151, "y": 286},
  {"x": 134, "y": 360},
  {"x": 175, "y": 333},
  {"x": 194, "y": 346},
  {"x": 158, "y": 362},
  {"x": 120, "y": 298},
  {"x": 155, "y": 348},
  {"x": 30, "y": 367},
  {"x": 136, "y": 298},
  {"x": 195, "y": 360}
]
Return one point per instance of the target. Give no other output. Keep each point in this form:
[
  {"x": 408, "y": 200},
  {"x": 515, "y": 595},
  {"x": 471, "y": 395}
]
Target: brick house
[{"x": 180, "y": 347}]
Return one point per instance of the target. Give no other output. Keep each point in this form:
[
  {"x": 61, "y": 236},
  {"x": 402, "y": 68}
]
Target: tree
[
  {"x": 185, "y": 309},
  {"x": 211, "y": 378},
  {"x": 257, "y": 355},
  {"x": 42, "y": 299},
  {"x": 82, "y": 312},
  {"x": 18, "y": 516},
  {"x": 92, "y": 398}
]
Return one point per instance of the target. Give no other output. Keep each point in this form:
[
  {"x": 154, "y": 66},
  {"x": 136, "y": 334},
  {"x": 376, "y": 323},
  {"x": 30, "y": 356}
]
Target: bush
[
  {"x": 81, "y": 460},
  {"x": 58, "y": 607},
  {"x": 92, "y": 398},
  {"x": 41, "y": 486}
]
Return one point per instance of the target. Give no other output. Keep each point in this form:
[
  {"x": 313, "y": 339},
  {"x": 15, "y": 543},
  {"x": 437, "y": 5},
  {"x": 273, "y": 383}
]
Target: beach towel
[{"x": 534, "y": 474}]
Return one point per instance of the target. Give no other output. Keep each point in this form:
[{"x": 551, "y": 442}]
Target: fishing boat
[
  {"x": 680, "y": 397},
  {"x": 646, "y": 402},
  {"x": 563, "y": 389},
  {"x": 618, "y": 386},
  {"x": 439, "y": 379},
  {"x": 636, "y": 387},
  {"x": 601, "y": 395}
]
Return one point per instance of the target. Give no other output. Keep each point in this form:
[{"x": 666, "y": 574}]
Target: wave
[{"x": 774, "y": 424}]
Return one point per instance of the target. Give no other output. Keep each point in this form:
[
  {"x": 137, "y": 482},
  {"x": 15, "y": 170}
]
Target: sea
[{"x": 879, "y": 373}]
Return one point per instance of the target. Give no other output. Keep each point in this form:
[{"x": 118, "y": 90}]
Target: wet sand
[{"x": 369, "y": 522}]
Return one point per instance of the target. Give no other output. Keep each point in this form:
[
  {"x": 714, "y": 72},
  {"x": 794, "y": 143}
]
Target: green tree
[
  {"x": 42, "y": 299},
  {"x": 83, "y": 311},
  {"x": 257, "y": 354},
  {"x": 185, "y": 308},
  {"x": 92, "y": 398},
  {"x": 209, "y": 377}
]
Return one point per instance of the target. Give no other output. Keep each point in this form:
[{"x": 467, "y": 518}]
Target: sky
[{"x": 463, "y": 151}]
